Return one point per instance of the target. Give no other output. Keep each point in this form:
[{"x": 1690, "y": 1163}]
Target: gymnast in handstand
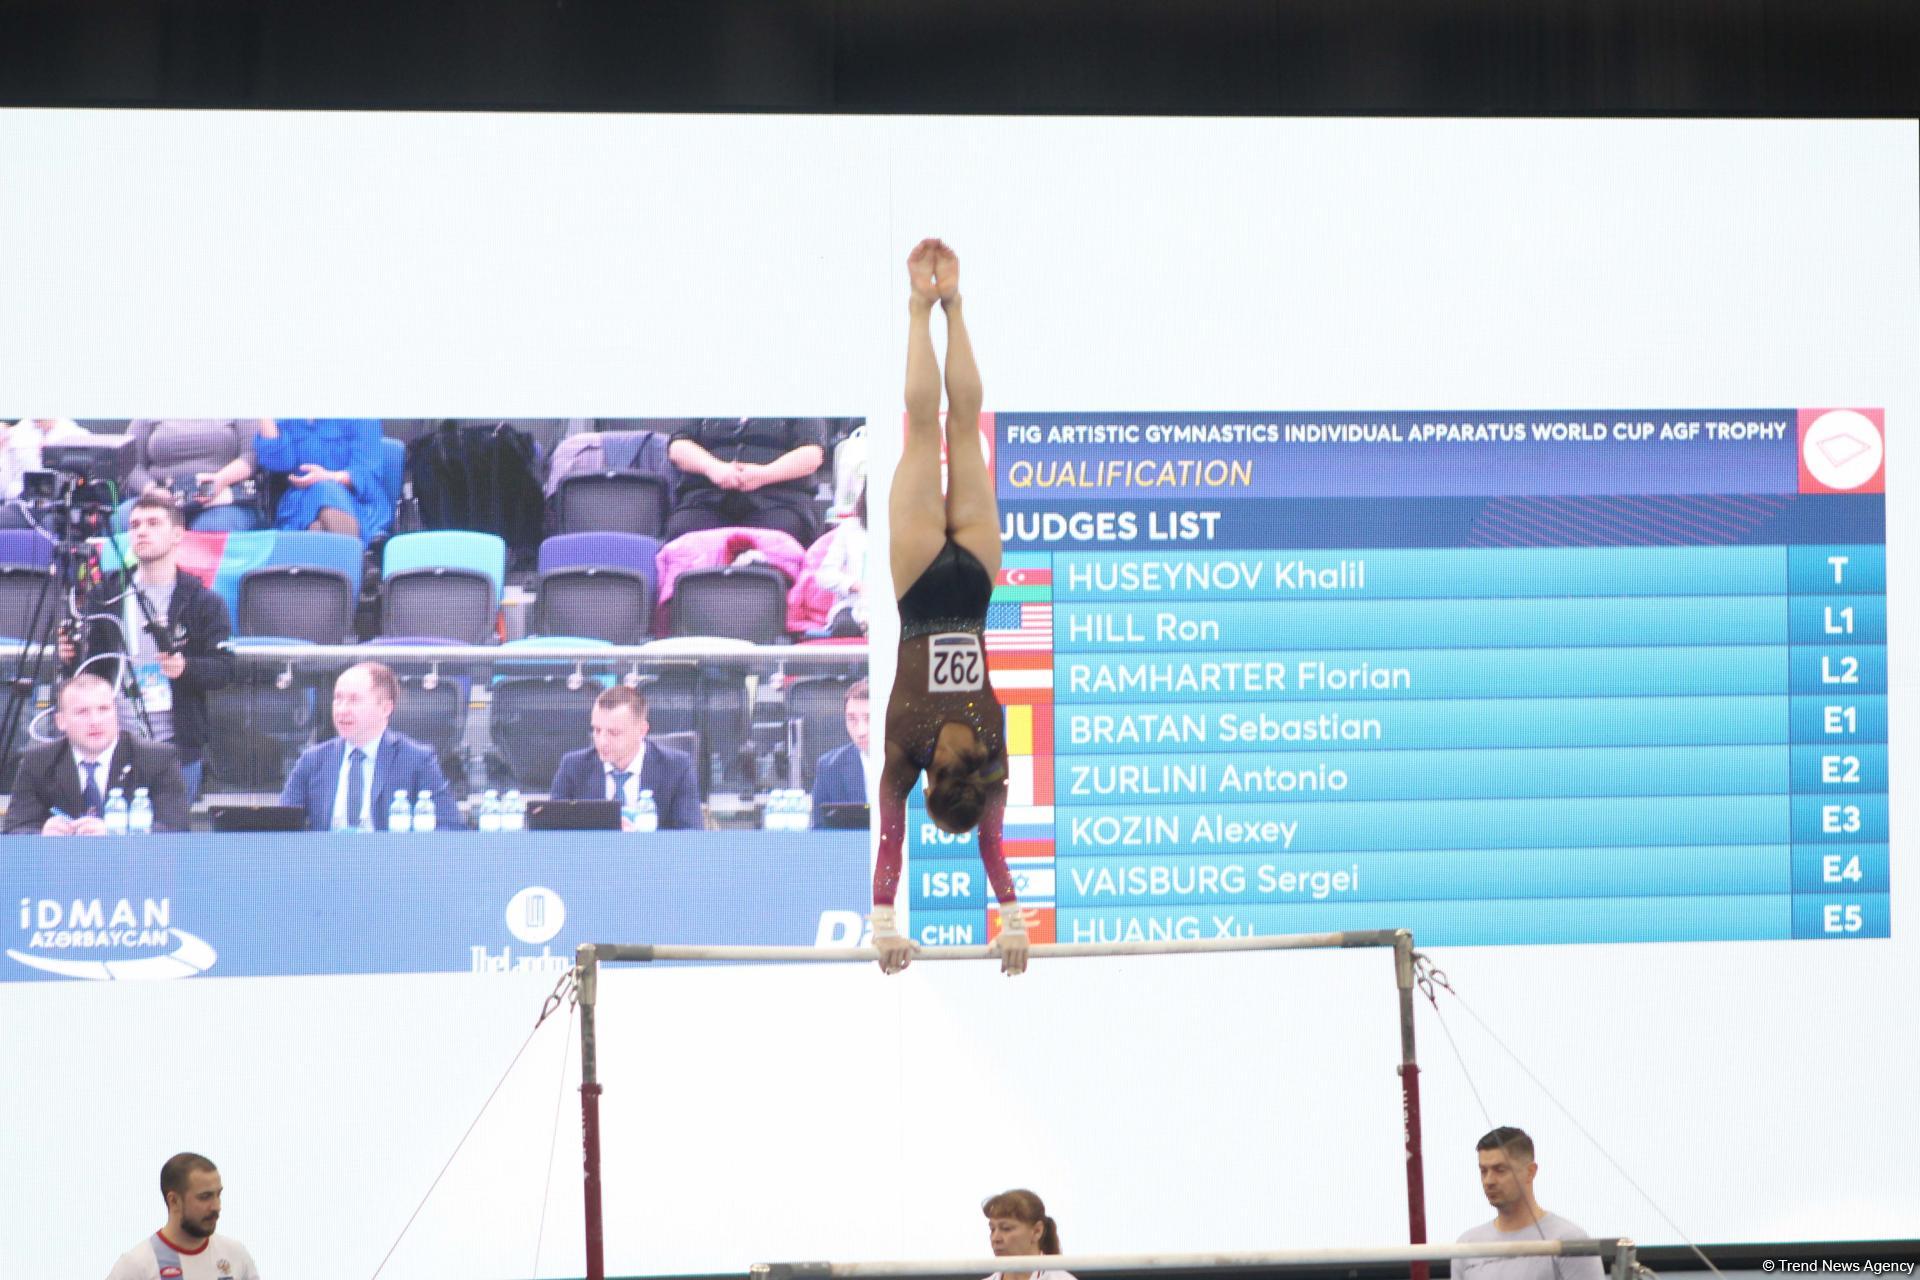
[{"x": 943, "y": 718}]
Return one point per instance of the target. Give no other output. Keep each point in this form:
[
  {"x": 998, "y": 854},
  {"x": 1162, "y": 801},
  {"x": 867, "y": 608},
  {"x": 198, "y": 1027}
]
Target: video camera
[{"x": 74, "y": 492}]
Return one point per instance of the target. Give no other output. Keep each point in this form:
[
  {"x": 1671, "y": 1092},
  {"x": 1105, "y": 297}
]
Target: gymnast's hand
[
  {"x": 1011, "y": 947},
  {"x": 920, "y": 267},
  {"x": 895, "y": 951}
]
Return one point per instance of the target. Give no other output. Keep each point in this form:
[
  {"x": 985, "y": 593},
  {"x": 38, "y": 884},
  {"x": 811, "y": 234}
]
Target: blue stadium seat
[
  {"x": 443, "y": 582},
  {"x": 483, "y": 553}
]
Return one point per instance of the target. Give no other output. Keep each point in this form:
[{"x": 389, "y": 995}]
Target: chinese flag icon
[
  {"x": 1843, "y": 451},
  {"x": 1040, "y": 923}
]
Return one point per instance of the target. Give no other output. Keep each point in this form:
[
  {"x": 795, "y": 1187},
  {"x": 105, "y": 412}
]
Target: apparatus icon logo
[
  {"x": 1842, "y": 451},
  {"x": 536, "y": 915},
  {"x": 123, "y": 940}
]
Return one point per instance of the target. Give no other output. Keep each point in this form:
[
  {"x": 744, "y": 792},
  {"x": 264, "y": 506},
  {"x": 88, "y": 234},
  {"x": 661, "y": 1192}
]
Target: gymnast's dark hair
[
  {"x": 957, "y": 793},
  {"x": 1023, "y": 1206}
]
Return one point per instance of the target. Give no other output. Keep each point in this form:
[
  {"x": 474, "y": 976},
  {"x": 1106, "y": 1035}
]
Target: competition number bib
[{"x": 955, "y": 663}]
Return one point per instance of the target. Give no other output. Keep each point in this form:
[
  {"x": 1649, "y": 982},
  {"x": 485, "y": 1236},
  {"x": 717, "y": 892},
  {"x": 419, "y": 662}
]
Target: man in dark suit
[
  {"x": 347, "y": 783},
  {"x": 841, "y": 776},
  {"x": 621, "y": 764},
  {"x": 62, "y": 786}
]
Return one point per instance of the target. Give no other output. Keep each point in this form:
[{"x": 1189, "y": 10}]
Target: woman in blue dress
[{"x": 334, "y": 472}]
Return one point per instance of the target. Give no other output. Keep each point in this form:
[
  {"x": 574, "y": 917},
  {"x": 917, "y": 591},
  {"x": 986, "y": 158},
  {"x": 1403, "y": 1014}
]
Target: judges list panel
[{"x": 1528, "y": 678}]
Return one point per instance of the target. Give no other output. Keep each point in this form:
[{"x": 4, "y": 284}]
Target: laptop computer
[
  {"x": 857, "y": 816},
  {"x": 573, "y": 815},
  {"x": 257, "y": 817}
]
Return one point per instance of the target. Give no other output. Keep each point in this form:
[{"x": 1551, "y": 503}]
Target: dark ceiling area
[{"x": 1125, "y": 57}]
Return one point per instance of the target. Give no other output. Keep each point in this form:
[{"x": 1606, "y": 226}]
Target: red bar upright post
[
  {"x": 1410, "y": 1101},
  {"x": 587, "y": 983}
]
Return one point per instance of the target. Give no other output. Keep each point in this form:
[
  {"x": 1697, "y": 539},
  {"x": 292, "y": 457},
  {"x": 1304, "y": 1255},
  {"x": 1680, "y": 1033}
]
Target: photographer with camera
[
  {"x": 168, "y": 627},
  {"x": 208, "y": 464}
]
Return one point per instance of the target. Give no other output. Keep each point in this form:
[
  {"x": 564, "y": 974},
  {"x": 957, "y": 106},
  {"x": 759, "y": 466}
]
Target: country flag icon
[{"x": 1842, "y": 451}]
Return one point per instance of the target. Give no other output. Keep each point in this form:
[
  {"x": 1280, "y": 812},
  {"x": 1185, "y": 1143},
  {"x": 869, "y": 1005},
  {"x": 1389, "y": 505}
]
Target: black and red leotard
[{"x": 940, "y": 679}]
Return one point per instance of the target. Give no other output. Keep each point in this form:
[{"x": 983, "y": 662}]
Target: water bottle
[
  {"x": 116, "y": 814},
  {"x": 425, "y": 816},
  {"x": 513, "y": 812},
  {"x": 140, "y": 813},
  {"x": 649, "y": 815},
  {"x": 629, "y": 814},
  {"x": 490, "y": 814},
  {"x": 400, "y": 813},
  {"x": 803, "y": 811}
]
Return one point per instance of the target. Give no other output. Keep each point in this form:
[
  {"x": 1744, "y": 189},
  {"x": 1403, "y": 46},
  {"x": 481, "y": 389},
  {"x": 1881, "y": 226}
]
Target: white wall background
[{"x": 186, "y": 263}]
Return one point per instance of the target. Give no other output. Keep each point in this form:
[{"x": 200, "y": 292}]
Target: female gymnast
[
  {"x": 943, "y": 717},
  {"x": 1018, "y": 1226}
]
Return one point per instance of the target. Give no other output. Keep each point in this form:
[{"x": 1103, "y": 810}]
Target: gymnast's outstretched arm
[
  {"x": 897, "y": 777},
  {"x": 1012, "y": 942}
]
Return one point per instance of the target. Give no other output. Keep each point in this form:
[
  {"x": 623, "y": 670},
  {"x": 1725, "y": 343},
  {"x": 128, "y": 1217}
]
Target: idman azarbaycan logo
[{"x": 107, "y": 940}]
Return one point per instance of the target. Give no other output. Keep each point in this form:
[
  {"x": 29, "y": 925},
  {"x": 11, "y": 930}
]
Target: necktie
[
  {"x": 356, "y": 786},
  {"x": 620, "y": 777},
  {"x": 90, "y": 794}
]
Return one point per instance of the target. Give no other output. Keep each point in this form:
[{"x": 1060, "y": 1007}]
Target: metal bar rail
[
  {"x": 1098, "y": 1262},
  {"x": 590, "y": 956}
]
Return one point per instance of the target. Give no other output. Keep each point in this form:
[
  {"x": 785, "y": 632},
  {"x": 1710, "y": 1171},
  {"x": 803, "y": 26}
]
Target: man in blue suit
[
  {"x": 621, "y": 764},
  {"x": 347, "y": 783},
  {"x": 842, "y": 776}
]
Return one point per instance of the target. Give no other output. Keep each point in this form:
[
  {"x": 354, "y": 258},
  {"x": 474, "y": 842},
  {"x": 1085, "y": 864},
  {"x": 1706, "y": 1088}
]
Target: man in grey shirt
[{"x": 1507, "y": 1169}]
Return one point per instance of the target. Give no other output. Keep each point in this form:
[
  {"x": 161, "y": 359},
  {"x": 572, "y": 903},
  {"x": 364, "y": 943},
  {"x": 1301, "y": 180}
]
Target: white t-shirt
[
  {"x": 219, "y": 1258},
  {"x": 1550, "y": 1227}
]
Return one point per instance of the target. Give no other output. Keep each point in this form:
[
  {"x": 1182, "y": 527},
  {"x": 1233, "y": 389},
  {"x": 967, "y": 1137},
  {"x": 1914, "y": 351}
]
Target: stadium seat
[
  {"x": 308, "y": 603},
  {"x": 310, "y": 547},
  {"x": 393, "y": 466},
  {"x": 615, "y": 605},
  {"x": 711, "y": 702},
  {"x": 29, "y": 602},
  {"x": 687, "y": 743},
  {"x": 601, "y": 550},
  {"x": 444, "y": 582},
  {"x": 255, "y": 730},
  {"x": 535, "y": 718},
  {"x": 482, "y": 553},
  {"x": 436, "y": 716},
  {"x": 613, "y": 501},
  {"x": 747, "y": 602},
  {"x": 818, "y": 707},
  {"x": 458, "y": 602},
  {"x": 26, "y": 547}
]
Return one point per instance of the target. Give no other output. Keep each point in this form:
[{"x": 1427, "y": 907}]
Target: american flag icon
[{"x": 1019, "y": 628}]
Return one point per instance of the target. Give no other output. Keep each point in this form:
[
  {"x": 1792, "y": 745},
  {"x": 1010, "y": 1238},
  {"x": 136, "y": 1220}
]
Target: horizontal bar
[
  {"x": 1082, "y": 1263},
  {"x": 643, "y": 953},
  {"x": 493, "y": 654}
]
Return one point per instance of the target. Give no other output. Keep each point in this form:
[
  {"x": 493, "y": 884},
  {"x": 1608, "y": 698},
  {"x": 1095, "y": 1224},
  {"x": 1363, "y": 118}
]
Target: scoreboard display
[{"x": 1582, "y": 676}]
